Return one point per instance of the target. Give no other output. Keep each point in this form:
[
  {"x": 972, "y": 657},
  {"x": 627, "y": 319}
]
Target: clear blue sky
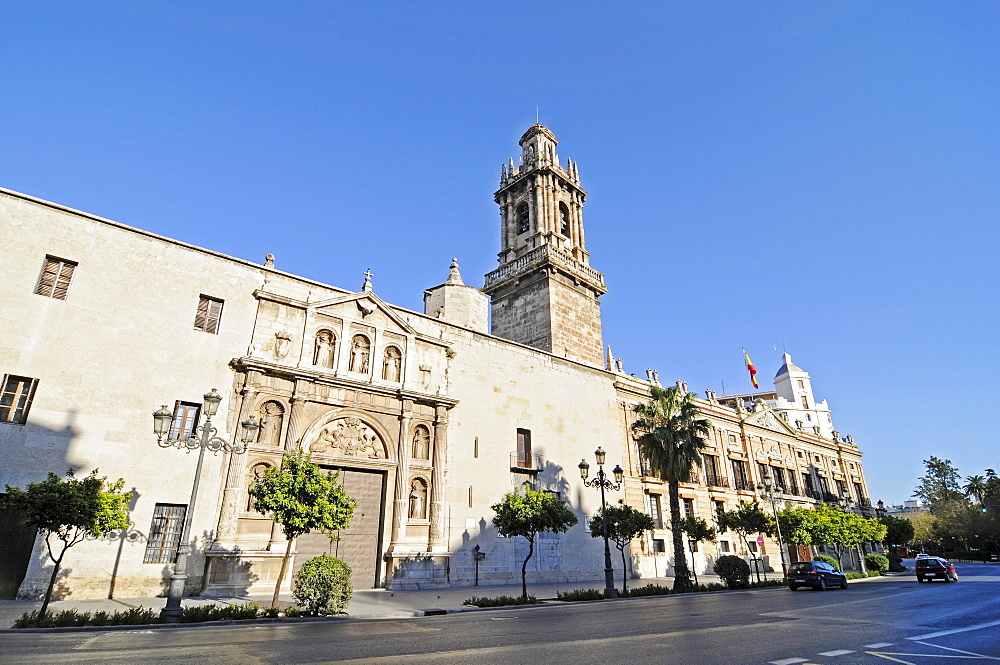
[{"x": 817, "y": 177}]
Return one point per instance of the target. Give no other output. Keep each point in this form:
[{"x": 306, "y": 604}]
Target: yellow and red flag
[{"x": 751, "y": 369}]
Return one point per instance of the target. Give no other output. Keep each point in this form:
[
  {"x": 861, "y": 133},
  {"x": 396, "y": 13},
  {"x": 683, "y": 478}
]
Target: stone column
[
  {"x": 401, "y": 495},
  {"x": 438, "y": 540},
  {"x": 234, "y": 495}
]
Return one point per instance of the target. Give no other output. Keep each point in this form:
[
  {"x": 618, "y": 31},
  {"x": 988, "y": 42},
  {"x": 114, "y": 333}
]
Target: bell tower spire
[{"x": 544, "y": 293}]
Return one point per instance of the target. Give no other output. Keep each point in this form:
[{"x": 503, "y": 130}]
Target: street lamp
[
  {"x": 205, "y": 437},
  {"x": 766, "y": 490},
  {"x": 603, "y": 483}
]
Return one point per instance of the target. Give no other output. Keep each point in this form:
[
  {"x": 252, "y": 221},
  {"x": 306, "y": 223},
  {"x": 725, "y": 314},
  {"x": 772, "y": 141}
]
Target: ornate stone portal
[{"x": 348, "y": 437}]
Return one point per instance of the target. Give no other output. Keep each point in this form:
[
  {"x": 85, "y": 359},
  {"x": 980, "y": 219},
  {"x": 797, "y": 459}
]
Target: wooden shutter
[
  {"x": 55, "y": 278},
  {"x": 208, "y": 315}
]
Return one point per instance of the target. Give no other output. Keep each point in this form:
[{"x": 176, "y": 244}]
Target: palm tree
[
  {"x": 975, "y": 486},
  {"x": 671, "y": 438}
]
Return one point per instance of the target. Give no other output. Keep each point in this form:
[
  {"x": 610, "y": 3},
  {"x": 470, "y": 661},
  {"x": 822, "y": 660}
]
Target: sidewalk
[{"x": 365, "y": 603}]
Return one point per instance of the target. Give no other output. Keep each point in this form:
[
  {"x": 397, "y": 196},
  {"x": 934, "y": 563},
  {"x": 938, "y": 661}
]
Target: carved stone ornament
[
  {"x": 348, "y": 437},
  {"x": 768, "y": 420},
  {"x": 282, "y": 343}
]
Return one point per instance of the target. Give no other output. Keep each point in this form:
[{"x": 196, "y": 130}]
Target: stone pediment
[
  {"x": 364, "y": 307},
  {"x": 768, "y": 419}
]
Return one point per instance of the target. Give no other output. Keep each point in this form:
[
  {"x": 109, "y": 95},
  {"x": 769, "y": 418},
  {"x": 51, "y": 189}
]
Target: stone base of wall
[
  {"x": 417, "y": 571},
  {"x": 244, "y": 573}
]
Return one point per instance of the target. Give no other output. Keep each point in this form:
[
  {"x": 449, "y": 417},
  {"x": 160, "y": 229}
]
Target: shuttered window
[
  {"x": 185, "y": 420},
  {"x": 165, "y": 533},
  {"x": 55, "y": 278},
  {"x": 208, "y": 315},
  {"x": 15, "y": 400}
]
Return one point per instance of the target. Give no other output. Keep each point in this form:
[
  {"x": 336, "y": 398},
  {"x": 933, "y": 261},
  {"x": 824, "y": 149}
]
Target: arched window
[
  {"x": 523, "y": 218},
  {"x": 324, "y": 349},
  {"x": 418, "y": 499},
  {"x": 271, "y": 415},
  {"x": 392, "y": 362},
  {"x": 257, "y": 472},
  {"x": 564, "y": 217},
  {"x": 421, "y": 443},
  {"x": 360, "y": 351}
]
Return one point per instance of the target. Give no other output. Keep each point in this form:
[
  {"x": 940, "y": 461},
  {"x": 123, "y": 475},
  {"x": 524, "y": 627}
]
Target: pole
[
  {"x": 609, "y": 575},
  {"x": 171, "y": 613}
]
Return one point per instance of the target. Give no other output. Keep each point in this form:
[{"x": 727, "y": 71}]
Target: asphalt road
[{"x": 890, "y": 620}]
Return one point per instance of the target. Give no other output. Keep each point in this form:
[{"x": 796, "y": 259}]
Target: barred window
[
  {"x": 208, "y": 315},
  {"x": 165, "y": 533},
  {"x": 185, "y": 419},
  {"x": 55, "y": 278},
  {"x": 15, "y": 400}
]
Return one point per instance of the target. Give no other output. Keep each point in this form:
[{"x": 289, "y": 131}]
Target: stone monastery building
[{"x": 431, "y": 416}]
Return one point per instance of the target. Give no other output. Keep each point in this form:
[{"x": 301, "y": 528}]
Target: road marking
[
  {"x": 942, "y": 633},
  {"x": 878, "y": 645},
  {"x": 887, "y": 657},
  {"x": 969, "y": 653},
  {"x": 85, "y": 644},
  {"x": 788, "y": 661},
  {"x": 838, "y": 652}
]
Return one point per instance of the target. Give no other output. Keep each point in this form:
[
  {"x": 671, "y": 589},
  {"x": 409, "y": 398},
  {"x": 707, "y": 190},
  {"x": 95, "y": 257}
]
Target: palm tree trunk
[
  {"x": 682, "y": 578},
  {"x": 281, "y": 575},
  {"x": 524, "y": 569}
]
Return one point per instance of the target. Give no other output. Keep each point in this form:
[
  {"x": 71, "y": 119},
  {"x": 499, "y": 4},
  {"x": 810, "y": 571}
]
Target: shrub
[
  {"x": 69, "y": 618},
  {"x": 710, "y": 587},
  {"x": 855, "y": 576},
  {"x": 134, "y": 616},
  {"x": 877, "y": 562},
  {"x": 580, "y": 594},
  {"x": 323, "y": 585},
  {"x": 734, "y": 571},
  {"x": 648, "y": 590},
  {"x": 764, "y": 584},
  {"x": 827, "y": 559},
  {"x": 500, "y": 601},
  {"x": 197, "y": 613}
]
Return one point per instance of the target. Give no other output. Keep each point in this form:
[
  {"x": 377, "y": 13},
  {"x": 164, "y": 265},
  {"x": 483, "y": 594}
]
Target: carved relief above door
[{"x": 348, "y": 437}]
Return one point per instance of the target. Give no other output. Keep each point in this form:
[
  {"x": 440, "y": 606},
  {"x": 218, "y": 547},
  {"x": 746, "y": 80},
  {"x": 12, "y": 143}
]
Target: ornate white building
[{"x": 431, "y": 417}]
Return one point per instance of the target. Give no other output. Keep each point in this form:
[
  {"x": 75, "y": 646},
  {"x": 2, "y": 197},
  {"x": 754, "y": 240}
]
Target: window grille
[
  {"x": 55, "y": 278},
  {"x": 15, "y": 400},
  {"x": 165, "y": 533},
  {"x": 208, "y": 315}
]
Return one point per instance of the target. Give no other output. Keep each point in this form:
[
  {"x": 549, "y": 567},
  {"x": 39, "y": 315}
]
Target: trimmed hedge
[
  {"x": 734, "y": 571},
  {"x": 877, "y": 562}
]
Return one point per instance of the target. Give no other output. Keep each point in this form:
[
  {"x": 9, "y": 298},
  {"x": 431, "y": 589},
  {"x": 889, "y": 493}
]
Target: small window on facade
[
  {"x": 805, "y": 402},
  {"x": 15, "y": 400},
  {"x": 55, "y": 278},
  {"x": 524, "y": 448},
  {"x": 732, "y": 438},
  {"x": 564, "y": 219},
  {"x": 523, "y": 218},
  {"x": 656, "y": 511},
  {"x": 659, "y": 546},
  {"x": 723, "y": 546},
  {"x": 720, "y": 506},
  {"x": 688, "y": 507},
  {"x": 802, "y": 384},
  {"x": 208, "y": 315},
  {"x": 165, "y": 533},
  {"x": 752, "y": 546},
  {"x": 800, "y": 454},
  {"x": 185, "y": 419}
]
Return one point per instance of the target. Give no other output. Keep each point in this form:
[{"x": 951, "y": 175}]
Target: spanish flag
[{"x": 751, "y": 369}]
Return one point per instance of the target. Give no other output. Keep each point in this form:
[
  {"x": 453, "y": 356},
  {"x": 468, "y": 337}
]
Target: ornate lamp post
[
  {"x": 767, "y": 491},
  {"x": 880, "y": 513},
  {"x": 204, "y": 438},
  {"x": 602, "y": 482}
]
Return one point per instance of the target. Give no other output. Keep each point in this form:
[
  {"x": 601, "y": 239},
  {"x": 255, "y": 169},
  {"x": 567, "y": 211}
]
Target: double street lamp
[
  {"x": 205, "y": 437},
  {"x": 601, "y": 481},
  {"x": 767, "y": 491}
]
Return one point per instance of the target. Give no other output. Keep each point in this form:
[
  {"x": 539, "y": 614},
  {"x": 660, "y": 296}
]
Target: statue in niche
[
  {"x": 351, "y": 437},
  {"x": 421, "y": 443},
  {"x": 360, "y": 350},
  {"x": 324, "y": 349},
  {"x": 418, "y": 499},
  {"x": 256, "y": 474},
  {"x": 271, "y": 414},
  {"x": 391, "y": 364}
]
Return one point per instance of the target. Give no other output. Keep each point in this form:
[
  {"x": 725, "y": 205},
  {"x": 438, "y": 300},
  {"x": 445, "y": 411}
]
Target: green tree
[
  {"x": 527, "y": 516},
  {"x": 923, "y": 527},
  {"x": 897, "y": 531},
  {"x": 67, "y": 511},
  {"x": 624, "y": 524},
  {"x": 671, "y": 438},
  {"x": 301, "y": 497},
  {"x": 749, "y": 519},
  {"x": 813, "y": 527},
  {"x": 939, "y": 485},
  {"x": 975, "y": 486}
]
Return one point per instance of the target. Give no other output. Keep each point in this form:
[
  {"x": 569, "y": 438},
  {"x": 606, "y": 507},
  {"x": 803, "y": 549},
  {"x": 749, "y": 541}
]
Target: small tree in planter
[
  {"x": 301, "y": 497},
  {"x": 734, "y": 571},
  {"x": 323, "y": 585},
  {"x": 67, "y": 511},
  {"x": 624, "y": 524},
  {"x": 745, "y": 521},
  {"x": 529, "y": 515}
]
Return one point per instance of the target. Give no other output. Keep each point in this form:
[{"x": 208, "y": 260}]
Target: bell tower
[{"x": 544, "y": 293}]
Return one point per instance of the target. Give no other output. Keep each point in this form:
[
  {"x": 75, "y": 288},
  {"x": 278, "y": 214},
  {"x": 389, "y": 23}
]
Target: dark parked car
[
  {"x": 817, "y": 574},
  {"x": 932, "y": 567}
]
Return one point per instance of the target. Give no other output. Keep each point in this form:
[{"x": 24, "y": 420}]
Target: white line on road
[
  {"x": 942, "y": 633},
  {"x": 789, "y": 661},
  {"x": 838, "y": 652},
  {"x": 878, "y": 645}
]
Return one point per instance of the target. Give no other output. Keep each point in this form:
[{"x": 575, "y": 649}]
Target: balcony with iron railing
[
  {"x": 743, "y": 485},
  {"x": 525, "y": 462},
  {"x": 716, "y": 481}
]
